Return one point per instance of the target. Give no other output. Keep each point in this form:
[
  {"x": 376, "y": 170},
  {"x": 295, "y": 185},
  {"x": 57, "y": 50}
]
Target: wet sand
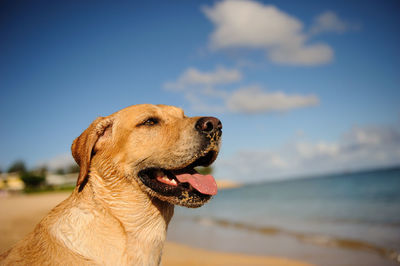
[{"x": 20, "y": 213}]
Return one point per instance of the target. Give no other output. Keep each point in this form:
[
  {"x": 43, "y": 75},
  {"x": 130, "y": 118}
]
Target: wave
[{"x": 315, "y": 239}]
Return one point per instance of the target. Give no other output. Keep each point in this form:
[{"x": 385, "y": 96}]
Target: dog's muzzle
[{"x": 184, "y": 185}]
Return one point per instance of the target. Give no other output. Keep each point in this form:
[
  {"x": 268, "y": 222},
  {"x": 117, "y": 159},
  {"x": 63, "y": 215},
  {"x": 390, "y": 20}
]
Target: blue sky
[{"x": 301, "y": 87}]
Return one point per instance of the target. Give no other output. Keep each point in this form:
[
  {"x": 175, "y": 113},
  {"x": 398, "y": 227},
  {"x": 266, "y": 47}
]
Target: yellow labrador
[{"x": 134, "y": 166}]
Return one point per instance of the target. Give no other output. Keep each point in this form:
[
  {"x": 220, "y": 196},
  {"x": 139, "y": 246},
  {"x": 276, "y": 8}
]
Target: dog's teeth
[
  {"x": 173, "y": 181},
  {"x": 164, "y": 179}
]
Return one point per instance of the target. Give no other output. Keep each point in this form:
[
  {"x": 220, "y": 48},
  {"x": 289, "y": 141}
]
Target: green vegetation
[
  {"x": 60, "y": 171},
  {"x": 74, "y": 168},
  {"x": 47, "y": 189},
  {"x": 17, "y": 166},
  {"x": 32, "y": 180},
  {"x": 204, "y": 170},
  {"x": 35, "y": 180}
]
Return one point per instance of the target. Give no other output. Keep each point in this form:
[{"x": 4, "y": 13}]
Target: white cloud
[
  {"x": 359, "y": 148},
  {"x": 255, "y": 100},
  {"x": 308, "y": 55},
  {"x": 311, "y": 150},
  {"x": 198, "y": 88},
  {"x": 330, "y": 22},
  {"x": 249, "y": 24},
  {"x": 194, "y": 77},
  {"x": 371, "y": 136}
]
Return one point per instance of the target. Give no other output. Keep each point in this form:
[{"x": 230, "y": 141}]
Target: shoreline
[{"x": 25, "y": 211}]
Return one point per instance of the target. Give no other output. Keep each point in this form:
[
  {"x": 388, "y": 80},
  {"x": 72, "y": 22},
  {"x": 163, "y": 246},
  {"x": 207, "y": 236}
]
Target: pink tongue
[{"x": 205, "y": 184}]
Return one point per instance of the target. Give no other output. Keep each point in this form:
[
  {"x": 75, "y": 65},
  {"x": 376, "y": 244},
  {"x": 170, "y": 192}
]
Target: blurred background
[{"x": 307, "y": 91}]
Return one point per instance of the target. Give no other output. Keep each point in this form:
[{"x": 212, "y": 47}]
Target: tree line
[{"x": 36, "y": 178}]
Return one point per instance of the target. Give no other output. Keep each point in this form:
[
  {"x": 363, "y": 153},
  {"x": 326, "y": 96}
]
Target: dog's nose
[{"x": 208, "y": 125}]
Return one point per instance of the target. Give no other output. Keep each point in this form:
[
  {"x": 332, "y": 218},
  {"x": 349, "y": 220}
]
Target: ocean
[{"x": 346, "y": 219}]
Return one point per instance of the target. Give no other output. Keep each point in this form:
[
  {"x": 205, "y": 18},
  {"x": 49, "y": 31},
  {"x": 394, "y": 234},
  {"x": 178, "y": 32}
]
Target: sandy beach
[{"x": 20, "y": 213}]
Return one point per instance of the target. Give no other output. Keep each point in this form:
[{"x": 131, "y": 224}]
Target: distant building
[
  {"x": 11, "y": 182},
  {"x": 61, "y": 180}
]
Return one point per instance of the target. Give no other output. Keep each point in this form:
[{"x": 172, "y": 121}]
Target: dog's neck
[{"x": 144, "y": 220}]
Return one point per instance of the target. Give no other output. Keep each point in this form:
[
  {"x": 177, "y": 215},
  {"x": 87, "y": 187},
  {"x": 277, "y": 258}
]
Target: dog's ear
[{"x": 90, "y": 141}]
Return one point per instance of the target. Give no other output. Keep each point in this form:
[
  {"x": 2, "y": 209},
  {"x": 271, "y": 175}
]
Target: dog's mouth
[{"x": 184, "y": 186}]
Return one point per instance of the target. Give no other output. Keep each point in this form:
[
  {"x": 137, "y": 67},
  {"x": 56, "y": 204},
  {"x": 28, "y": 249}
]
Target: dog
[{"x": 135, "y": 165}]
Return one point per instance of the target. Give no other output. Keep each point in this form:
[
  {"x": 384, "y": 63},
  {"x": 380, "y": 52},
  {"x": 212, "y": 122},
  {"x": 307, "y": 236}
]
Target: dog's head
[{"x": 155, "y": 146}]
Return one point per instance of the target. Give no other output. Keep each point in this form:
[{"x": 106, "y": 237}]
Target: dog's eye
[{"x": 150, "y": 122}]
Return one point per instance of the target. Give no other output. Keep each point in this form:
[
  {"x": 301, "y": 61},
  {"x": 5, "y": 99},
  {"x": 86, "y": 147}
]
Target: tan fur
[{"x": 110, "y": 219}]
